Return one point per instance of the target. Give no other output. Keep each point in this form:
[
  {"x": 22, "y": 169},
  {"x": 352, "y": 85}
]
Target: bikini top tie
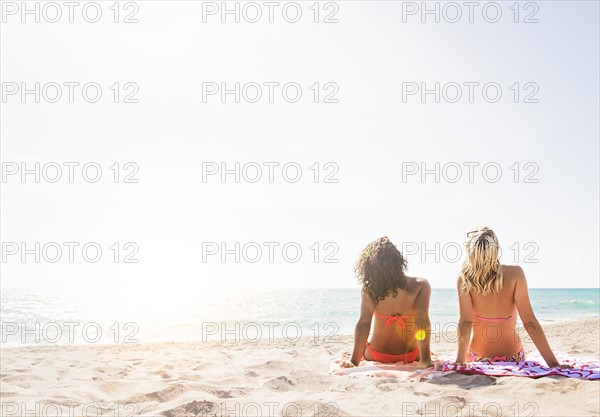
[{"x": 389, "y": 320}]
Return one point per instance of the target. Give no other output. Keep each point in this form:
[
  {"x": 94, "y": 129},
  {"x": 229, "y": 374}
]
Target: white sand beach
[{"x": 275, "y": 378}]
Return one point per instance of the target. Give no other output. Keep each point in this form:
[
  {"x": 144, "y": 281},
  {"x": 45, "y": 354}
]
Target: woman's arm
[
  {"x": 423, "y": 323},
  {"x": 531, "y": 323},
  {"x": 465, "y": 324},
  {"x": 363, "y": 327}
]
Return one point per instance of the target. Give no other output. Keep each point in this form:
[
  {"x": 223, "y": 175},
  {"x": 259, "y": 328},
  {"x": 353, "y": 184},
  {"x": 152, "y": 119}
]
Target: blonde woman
[{"x": 490, "y": 295}]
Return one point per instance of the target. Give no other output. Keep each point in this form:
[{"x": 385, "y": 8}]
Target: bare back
[
  {"x": 389, "y": 337},
  {"x": 494, "y": 318}
]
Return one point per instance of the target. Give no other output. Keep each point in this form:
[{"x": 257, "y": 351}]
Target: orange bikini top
[{"x": 395, "y": 318}]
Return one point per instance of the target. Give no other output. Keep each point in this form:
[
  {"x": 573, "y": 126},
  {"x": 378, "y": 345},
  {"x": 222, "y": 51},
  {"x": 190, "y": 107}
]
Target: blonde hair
[{"x": 481, "y": 271}]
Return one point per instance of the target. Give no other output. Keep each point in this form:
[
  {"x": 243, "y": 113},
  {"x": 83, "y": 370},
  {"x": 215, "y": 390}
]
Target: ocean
[{"x": 39, "y": 318}]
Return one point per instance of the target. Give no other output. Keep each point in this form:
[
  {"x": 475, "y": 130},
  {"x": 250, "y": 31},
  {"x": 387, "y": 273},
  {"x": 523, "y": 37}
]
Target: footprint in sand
[
  {"x": 193, "y": 409},
  {"x": 164, "y": 375},
  {"x": 218, "y": 391},
  {"x": 446, "y": 405},
  {"x": 164, "y": 395},
  {"x": 281, "y": 383},
  {"x": 388, "y": 385}
]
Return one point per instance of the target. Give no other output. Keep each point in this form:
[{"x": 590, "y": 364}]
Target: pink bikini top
[{"x": 495, "y": 319}]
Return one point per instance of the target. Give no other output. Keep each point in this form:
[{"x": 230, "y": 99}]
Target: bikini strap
[{"x": 495, "y": 319}]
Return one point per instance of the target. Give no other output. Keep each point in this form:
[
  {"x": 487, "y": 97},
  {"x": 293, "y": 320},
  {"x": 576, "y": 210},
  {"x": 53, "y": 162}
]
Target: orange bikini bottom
[{"x": 388, "y": 358}]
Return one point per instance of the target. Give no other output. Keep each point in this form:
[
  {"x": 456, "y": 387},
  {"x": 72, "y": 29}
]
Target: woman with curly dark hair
[{"x": 400, "y": 305}]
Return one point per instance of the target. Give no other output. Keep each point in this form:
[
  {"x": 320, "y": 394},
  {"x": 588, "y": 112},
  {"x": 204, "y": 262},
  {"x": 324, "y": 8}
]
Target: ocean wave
[{"x": 579, "y": 302}]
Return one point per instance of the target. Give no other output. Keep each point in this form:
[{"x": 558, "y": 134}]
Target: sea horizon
[{"x": 41, "y": 317}]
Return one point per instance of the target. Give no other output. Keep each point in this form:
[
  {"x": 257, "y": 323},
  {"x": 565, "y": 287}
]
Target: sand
[{"x": 275, "y": 378}]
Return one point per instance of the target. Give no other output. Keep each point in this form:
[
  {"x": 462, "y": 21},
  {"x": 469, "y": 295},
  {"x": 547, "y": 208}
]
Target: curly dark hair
[{"x": 380, "y": 269}]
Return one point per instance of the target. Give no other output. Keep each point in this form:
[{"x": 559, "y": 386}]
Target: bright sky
[{"x": 369, "y": 138}]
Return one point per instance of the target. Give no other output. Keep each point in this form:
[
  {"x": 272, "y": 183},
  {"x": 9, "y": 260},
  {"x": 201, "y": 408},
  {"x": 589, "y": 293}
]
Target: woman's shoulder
[
  {"x": 418, "y": 284},
  {"x": 512, "y": 271},
  {"x": 512, "y": 274}
]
